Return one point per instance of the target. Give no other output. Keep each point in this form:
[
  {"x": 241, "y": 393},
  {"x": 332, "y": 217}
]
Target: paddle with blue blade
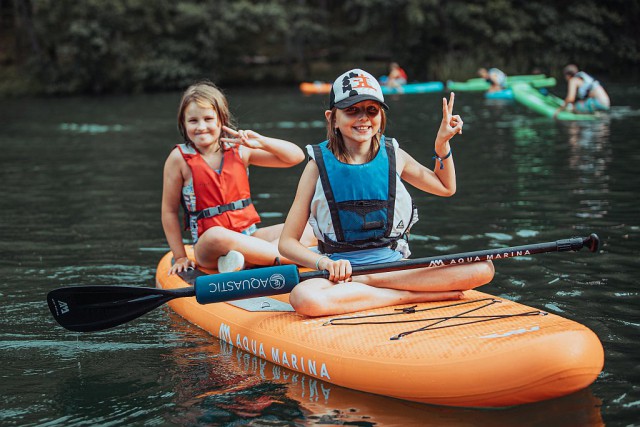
[{"x": 94, "y": 308}]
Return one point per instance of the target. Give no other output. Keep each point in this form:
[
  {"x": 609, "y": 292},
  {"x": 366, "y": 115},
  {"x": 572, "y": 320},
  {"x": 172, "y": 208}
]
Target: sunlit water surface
[{"x": 80, "y": 204}]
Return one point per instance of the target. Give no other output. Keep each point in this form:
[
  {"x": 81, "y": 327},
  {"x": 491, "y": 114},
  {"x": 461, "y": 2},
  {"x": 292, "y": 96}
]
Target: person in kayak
[
  {"x": 208, "y": 176},
  {"x": 397, "y": 76},
  {"x": 352, "y": 194},
  {"x": 495, "y": 77},
  {"x": 584, "y": 93}
]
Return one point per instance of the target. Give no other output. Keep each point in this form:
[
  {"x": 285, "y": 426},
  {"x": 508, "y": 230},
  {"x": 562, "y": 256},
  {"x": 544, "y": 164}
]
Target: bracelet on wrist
[
  {"x": 318, "y": 261},
  {"x": 441, "y": 159}
]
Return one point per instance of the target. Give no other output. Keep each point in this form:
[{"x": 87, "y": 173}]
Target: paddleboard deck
[{"x": 481, "y": 351}]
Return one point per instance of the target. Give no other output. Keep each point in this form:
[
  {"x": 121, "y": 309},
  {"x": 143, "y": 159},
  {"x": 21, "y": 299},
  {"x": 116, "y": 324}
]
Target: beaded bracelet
[
  {"x": 441, "y": 159},
  {"x": 318, "y": 261}
]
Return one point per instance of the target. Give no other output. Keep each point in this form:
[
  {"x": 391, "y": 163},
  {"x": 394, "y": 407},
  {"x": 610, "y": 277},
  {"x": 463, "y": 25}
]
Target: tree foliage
[{"x": 95, "y": 46}]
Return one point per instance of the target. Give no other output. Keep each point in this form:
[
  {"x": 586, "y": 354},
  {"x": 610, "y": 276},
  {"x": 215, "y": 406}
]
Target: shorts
[
  {"x": 590, "y": 105},
  {"x": 250, "y": 230},
  {"x": 368, "y": 256}
]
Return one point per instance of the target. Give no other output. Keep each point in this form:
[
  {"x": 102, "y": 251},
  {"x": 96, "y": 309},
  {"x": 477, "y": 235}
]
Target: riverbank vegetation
[{"x": 124, "y": 46}]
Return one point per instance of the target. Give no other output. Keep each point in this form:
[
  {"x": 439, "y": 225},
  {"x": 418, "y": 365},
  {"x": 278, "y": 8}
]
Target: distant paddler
[
  {"x": 495, "y": 77},
  {"x": 397, "y": 77},
  {"x": 585, "y": 95}
]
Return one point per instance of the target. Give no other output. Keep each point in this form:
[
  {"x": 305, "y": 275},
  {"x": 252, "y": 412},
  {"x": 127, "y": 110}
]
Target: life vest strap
[{"x": 220, "y": 209}]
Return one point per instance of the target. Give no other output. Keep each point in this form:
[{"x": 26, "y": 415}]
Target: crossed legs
[{"x": 320, "y": 297}]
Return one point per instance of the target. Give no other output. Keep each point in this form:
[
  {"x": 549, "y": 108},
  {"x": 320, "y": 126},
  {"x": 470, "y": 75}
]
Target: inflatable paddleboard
[
  {"x": 412, "y": 88},
  {"x": 314, "y": 88},
  {"x": 506, "y": 94},
  {"x": 482, "y": 351},
  {"x": 545, "y": 104},
  {"x": 479, "y": 84}
]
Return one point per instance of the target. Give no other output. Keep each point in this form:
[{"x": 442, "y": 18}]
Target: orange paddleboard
[
  {"x": 481, "y": 351},
  {"x": 315, "y": 88}
]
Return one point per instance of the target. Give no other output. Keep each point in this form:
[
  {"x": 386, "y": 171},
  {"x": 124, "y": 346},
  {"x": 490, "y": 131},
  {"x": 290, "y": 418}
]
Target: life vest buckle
[{"x": 217, "y": 210}]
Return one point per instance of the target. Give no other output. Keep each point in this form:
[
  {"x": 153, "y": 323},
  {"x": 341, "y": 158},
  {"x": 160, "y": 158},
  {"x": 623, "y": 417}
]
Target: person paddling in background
[
  {"x": 495, "y": 77},
  {"x": 207, "y": 175},
  {"x": 584, "y": 93},
  {"x": 352, "y": 194}
]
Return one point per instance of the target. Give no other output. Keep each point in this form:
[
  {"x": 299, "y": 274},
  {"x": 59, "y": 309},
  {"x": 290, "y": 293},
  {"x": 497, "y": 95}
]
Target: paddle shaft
[
  {"x": 93, "y": 308},
  {"x": 269, "y": 281},
  {"x": 574, "y": 244}
]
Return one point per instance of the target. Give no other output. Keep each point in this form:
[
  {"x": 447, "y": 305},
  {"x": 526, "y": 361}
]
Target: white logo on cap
[{"x": 358, "y": 82}]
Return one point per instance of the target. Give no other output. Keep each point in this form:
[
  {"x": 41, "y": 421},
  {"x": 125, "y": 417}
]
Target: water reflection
[
  {"x": 590, "y": 156},
  {"x": 540, "y": 158},
  {"x": 589, "y": 144}
]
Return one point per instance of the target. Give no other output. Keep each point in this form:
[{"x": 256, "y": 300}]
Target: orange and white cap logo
[{"x": 355, "y": 86}]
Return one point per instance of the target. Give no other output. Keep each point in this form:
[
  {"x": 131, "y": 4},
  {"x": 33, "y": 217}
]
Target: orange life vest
[{"x": 222, "y": 199}]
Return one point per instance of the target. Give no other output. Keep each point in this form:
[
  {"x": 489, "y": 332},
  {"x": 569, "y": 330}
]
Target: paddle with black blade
[{"x": 93, "y": 308}]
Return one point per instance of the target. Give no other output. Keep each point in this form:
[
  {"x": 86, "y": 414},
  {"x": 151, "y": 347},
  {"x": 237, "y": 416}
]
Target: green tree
[{"x": 135, "y": 45}]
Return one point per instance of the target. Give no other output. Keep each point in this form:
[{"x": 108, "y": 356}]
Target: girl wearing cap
[
  {"x": 352, "y": 194},
  {"x": 207, "y": 175}
]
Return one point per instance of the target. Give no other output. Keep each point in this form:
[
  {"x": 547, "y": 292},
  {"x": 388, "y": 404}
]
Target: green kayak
[
  {"x": 543, "y": 104},
  {"x": 479, "y": 84}
]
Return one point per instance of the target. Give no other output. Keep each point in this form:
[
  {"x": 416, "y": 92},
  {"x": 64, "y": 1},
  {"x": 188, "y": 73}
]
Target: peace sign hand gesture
[
  {"x": 248, "y": 138},
  {"x": 451, "y": 124}
]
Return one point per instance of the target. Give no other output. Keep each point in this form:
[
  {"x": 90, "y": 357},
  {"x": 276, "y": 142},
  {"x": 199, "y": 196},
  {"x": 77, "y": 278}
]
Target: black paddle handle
[{"x": 591, "y": 242}]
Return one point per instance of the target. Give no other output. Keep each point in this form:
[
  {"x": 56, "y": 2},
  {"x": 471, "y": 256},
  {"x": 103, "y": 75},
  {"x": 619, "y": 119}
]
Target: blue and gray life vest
[
  {"x": 359, "y": 207},
  {"x": 500, "y": 76},
  {"x": 589, "y": 84}
]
